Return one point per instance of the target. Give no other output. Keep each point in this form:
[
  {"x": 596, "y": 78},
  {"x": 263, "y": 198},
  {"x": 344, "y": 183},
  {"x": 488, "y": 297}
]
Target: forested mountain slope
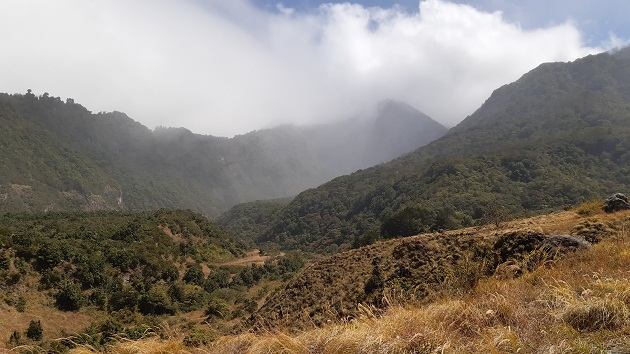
[
  {"x": 554, "y": 138},
  {"x": 38, "y": 172},
  {"x": 60, "y": 156}
]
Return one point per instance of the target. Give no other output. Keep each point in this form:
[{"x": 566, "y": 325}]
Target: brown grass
[
  {"x": 578, "y": 304},
  {"x": 251, "y": 257}
]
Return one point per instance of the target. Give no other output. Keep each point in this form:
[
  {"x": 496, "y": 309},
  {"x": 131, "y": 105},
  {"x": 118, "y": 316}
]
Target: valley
[{"x": 387, "y": 234}]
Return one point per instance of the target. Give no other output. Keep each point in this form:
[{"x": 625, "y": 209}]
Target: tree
[
  {"x": 194, "y": 275},
  {"x": 15, "y": 338},
  {"x": 156, "y": 301},
  {"x": 35, "y": 331},
  {"x": 408, "y": 222},
  {"x": 219, "y": 278},
  {"x": 5, "y": 262},
  {"x": 70, "y": 297},
  {"x": 493, "y": 214}
]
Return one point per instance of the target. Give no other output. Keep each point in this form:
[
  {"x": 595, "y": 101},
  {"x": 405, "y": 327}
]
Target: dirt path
[{"x": 251, "y": 257}]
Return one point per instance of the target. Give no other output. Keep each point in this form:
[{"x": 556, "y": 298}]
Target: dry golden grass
[
  {"x": 578, "y": 304},
  {"x": 590, "y": 207}
]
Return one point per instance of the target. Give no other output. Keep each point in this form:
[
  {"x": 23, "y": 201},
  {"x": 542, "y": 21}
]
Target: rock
[
  {"x": 616, "y": 202},
  {"x": 563, "y": 244}
]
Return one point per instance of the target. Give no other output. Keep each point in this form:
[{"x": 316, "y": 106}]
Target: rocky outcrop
[
  {"x": 616, "y": 202},
  {"x": 560, "y": 244}
]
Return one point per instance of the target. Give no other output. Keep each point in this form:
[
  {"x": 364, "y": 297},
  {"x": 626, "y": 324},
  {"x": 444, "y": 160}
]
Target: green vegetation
[
  {"x": 34, "y": 331},
  {"x": 575, "y": 303},
  {"x": 112, "y": 261},
  {"x": 129, "y": 272},
  {"x": 249, "y": 220},
  {"x": 553, "y": 139},
  {"x": 58, "y": 156}
]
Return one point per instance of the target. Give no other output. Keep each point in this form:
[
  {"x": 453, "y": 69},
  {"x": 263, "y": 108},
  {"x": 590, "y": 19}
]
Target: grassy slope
[{"x": 577, "y": 304}]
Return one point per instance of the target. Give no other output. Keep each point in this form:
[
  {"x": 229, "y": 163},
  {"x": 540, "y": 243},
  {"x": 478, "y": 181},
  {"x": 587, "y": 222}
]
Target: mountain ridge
[
  {"x": 175, "y": 168},
  {"x": 547, "y": 141}
]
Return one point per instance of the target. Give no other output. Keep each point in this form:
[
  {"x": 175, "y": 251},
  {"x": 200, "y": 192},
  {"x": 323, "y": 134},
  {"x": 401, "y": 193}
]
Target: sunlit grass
[{"x": 578, "y": 304}]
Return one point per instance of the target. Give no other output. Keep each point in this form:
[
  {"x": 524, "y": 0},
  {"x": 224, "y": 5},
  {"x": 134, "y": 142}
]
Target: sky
[{"x": 227, "y": 67}]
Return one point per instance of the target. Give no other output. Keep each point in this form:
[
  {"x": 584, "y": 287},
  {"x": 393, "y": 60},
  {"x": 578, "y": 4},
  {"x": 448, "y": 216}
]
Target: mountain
[
  {"x": 60, "y": 156},
  {"x": 38, "y": 172},
  {"x": 556, "y": 137}
]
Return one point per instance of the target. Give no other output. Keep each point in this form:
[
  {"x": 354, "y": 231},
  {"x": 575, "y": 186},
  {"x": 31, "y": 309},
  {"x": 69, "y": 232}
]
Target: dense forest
[{"x": 60, "y": 156}]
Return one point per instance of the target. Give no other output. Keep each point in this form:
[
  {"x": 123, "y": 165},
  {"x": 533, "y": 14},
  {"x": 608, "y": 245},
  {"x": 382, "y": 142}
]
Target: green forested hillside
[
  {"x": 40, "y": 173},
  {"x": 249, "y": 220},
  {"x": 556, "y": 137},
  {"x": 60, "y": 156},
  {"x": 95, "y": 275}
]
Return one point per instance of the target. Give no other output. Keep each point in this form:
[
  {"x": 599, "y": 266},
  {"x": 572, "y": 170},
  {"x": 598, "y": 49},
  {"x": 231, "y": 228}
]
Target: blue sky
[
  {"x": 224, "y": 67},
  {"x": 597, "y": 19}
]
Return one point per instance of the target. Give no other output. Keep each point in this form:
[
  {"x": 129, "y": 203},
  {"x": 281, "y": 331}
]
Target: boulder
[
  {"x": 563, "y": 244},
  {"x": 616, "y": 202}
]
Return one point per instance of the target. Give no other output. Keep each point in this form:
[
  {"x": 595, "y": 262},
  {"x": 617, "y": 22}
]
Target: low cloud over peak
[{"x": 225, "y": 68}]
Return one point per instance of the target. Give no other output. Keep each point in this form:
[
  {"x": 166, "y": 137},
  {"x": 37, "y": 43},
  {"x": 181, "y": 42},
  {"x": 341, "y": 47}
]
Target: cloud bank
[{"x": 227, "y": 67}]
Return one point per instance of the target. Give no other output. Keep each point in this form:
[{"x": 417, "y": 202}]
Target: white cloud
[{"x": 226, "y": 67}]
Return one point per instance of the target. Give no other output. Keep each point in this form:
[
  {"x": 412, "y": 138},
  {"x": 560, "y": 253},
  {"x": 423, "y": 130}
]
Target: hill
[
  {"x": 93, "y": 264},
  {"x": 532, "y": 301},
  {"x": 416, "y": 268},
  {"x": 41, "y": 173},
  {"x": 60, "y": 156},
  {"x": 572, "y": 304},
  {"x": 249, "y": 220},
  {"x": 552, "y": 139}
]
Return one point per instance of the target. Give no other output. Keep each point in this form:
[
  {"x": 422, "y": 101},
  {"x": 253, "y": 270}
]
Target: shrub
[
  {"x": 70, "y": 297},
  {"x": 219, "y": 278},
  {"x": 126, "y": 298},
  {"x": 188, "y": 297},
  {"x": 15, "y": 339},
  {"x": 199, "y": 337},
  {"x": 4, "y": 261},
  {"x": 194, "y": 275},
  {"x": 590, "y": 207},
  {"x": 20, "y": 306},
  {"x": 35, "y": 331},
  {"x": 156, "y": 301},
  {"x": 217, "y": 308}
]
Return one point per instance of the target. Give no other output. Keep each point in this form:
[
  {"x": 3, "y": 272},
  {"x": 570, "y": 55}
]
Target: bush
[
  {"x": 219, "y": 278},
  {"x": 590, "y": 207},
  {"x": 156, "y": 301},
  {"x": 15, "y": 339},
  {"x": 4, "y": 261},
  {"x": 199, "y": 337},
  {"x": 126, "y": 298},
  {"x": 194, "y": 275},
  {"x": 35, "y": 331},
  {"x": 70, "y": 297},
  {"x": 217, "y": 308},
  {"x": 188, "y": 297}
]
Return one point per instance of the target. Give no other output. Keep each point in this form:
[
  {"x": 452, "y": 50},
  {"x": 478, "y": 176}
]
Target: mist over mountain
[
  {"x": 556, "y": 137},
  {"x": 60, "y": 156}
]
